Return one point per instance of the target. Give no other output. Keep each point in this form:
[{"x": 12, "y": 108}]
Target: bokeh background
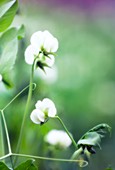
[{"x": 82, "y": 82}]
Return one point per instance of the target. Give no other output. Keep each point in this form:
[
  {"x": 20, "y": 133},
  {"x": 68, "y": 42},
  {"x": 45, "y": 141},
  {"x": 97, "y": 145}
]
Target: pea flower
[
  {"x": 0, "y": 77},
  {"x": 44, "y": 110},
  {"x": 58, "y": 138},
  {"x": 42, "y": 47}
]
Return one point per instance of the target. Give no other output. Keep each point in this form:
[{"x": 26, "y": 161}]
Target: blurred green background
[{"x": 82, "y": 84}]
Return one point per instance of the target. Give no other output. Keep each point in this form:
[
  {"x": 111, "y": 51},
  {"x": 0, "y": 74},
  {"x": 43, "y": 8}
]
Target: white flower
[
  {"x": 43, "y": 46},
  {"x": 44, "y": 110},
  {"x": 0, "y": 77},
  {"x": 58, "y": 138},
  {"x": 44, "y": 40}
]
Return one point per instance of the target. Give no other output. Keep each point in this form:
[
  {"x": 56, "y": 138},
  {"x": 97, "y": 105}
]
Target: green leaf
[
  {"x": 101, "y": 128},
  {"x": 7, "y": 80},
  {"x": 94, "y": 135},
  {"x": 3, "y": 166},
  {"x": 8, "y": 50},
  {"x": 8, "y": 53},
  {"x": 28, "y": 165},
  {"x": 8, "y": 10},
  {"x": 21, "y": 32},
  {"x": 91, "y": 138}
]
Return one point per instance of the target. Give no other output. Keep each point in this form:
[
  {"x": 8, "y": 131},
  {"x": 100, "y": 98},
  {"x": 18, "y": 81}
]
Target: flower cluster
[
  {"x": 43, "y": 111},
  {"x": 42, "y": 48},
  {"x": 58, "y": 138}
]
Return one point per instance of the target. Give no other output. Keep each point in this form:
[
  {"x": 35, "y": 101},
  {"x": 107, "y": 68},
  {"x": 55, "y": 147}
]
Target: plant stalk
[
  {"x": 72, "y": 139},
  {"x": 50, "y": 159},
  {"x": 26, "y": 109},
  {"x": 16, "y": 97},
  {"x": 6, "y": 131}
]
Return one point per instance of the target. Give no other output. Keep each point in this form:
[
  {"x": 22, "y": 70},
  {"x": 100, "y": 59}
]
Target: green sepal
[{"x": 41, "y": 65}]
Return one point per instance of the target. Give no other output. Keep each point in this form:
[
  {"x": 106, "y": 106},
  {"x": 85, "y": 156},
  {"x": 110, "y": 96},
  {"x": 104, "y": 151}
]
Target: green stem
[
  {"x": 5, "y": 156},
  {"x": 6, "y": 130},
  {"x": 16, "y": 96},
  {"x": 72, "y": 139},
  {"x": 26, "y": 109},
  {"x": 44, "y": 158},
  {"x": 8, "y": 139},
  {"x": 50, "y": 159},
  {"x": 83, "y": 162},
  {"x": 1, "y": 137}
]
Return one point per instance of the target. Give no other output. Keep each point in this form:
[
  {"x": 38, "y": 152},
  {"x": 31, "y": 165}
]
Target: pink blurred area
[
  {"x": 85, "y": 4},
  {"x": 90, "y": 7}
]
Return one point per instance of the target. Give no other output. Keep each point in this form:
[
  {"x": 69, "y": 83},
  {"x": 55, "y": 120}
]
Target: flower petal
[
  {"x": 54, "y": 45},
  {"x": 37, "y": 39},
  {"x": 48, "y": 104},
  {"x": 50, "y": 43},
  {"x": 39, "y": 105},
  {"x": 47, "y": 34},
  {"x": 29, "y": 55},
  {"x": 47, "y": 44},
  {"x": 58, "y": 137},
  {"x": 51, "y": 137},
  {"x": 37, "y": 116}
]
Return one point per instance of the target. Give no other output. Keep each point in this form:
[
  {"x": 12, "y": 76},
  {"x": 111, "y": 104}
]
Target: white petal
[
  {"x": 47, "y": 44},
  {"x": 58, "y": 137},
  {"x": 39, "y": 105},
  {"x": 37, "y": 39},
  {"x": 51, "y": 137},
  {"x": 41, "y": 115},
  {"x": 54, "y": 45},
  {"x": 0, "y": 77},
  {"x": 29, "y": 55},
  {"x": 65, "y": 140},
  {"x": 50, "y": 43},
  {"x": 48, "y": 104},
  {"x": 37, "y": 116},
  {"x": 50, "y": 60},
  {"x": 47, "y": 34}
]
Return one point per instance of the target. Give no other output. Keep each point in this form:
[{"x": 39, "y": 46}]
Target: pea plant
[{"x": 41, "y": 53}]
